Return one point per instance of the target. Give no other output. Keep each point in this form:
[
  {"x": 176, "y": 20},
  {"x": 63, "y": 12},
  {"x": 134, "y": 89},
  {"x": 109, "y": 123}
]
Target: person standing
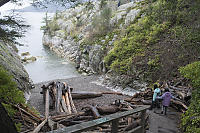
[
  {"x": 166, "y": 97},
  {"x": 156, "y": 93}
]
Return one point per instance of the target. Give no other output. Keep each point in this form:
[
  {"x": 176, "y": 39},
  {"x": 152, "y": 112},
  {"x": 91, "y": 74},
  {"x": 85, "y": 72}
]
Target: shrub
[
  {"x": 160, "y": 26},
  {"x": 192, "y": 72},
  {"x": 8, "y": 89},
  {"x": 143, "y": 32},
  {"x": 191, "y": 119}
]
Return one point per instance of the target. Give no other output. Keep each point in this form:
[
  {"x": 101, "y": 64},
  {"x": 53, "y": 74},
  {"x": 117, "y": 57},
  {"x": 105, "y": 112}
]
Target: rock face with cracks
[{"x": 11, "y": 62}]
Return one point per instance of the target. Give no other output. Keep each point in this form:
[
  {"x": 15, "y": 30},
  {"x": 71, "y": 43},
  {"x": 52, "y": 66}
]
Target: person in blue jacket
[{"x": 156, "y": 93}]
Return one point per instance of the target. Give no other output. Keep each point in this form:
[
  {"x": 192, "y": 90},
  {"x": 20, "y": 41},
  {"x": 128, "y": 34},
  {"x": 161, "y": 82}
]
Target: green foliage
[
  {"x": 11, "y": 28},
  {"x": 158, "y": 20},
  {"x": 9, "y": 93},
  {"x": 18, "y": 126},
  {"x": 146, "y": 31},
  {"x": 51, "y": 24},
  {"x": 8, "y": 89},
  {"x": 192, "y": 72},
  {"x": 9, "y": 109},
  {"x": 191, "y": 119},
  {"x": 143, "y": 33},
  {"x": 154, "y": 63}
]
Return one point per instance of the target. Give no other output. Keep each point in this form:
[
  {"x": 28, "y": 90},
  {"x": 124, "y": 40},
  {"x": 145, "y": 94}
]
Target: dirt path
[{"x": 157, "y": 123}]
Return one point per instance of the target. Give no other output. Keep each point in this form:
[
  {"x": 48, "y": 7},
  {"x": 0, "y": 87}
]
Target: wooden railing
[{"x": 114, "y": 118}]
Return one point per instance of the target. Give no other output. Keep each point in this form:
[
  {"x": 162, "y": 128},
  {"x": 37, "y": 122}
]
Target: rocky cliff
[
  {"x": 11, "y": 62},
  {"x": 71, "y": 33}
]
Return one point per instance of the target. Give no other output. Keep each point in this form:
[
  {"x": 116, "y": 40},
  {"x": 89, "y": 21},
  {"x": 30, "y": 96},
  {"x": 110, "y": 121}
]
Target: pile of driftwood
[
  {"x": 181, "y": 93},
  {"x": 58, "y": 96},
  {"x": 61, "y": 98}
]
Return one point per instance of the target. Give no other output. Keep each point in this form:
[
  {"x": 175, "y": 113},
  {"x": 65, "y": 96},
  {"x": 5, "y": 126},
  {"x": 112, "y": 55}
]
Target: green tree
[{"x": 12, "y": 28}]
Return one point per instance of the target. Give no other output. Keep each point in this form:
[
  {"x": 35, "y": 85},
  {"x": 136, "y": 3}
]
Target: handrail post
[
  {"x": 143, "y": 115},
  {"x": 114, "y": 128}
]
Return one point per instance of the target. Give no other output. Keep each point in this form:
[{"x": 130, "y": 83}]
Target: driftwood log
[
  {"x": 84, "y": 95},
  {"x": 108, "y": 109},
  {"x": 179, "y": 103},
  {"x": 71, "y": 101}
]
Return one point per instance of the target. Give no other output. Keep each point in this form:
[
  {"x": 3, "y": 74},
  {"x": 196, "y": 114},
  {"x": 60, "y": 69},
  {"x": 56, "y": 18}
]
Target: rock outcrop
[
  {"x": 68, "y": 30},
  {"x": 11, "y": 62}
]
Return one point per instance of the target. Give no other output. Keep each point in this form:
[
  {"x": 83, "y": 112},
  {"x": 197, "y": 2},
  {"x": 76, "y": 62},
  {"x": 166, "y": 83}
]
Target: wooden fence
[{"x": 114, "y": 118}]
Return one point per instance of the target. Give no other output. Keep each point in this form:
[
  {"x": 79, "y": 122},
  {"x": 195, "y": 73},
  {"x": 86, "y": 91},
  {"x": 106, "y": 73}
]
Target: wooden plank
[
  {"x": 68, "y": 103},
  {"x": 64, "y": 105},
  {"x": 136, "y": 130},
  {"x": 91, "y": 124},
  {"x": 47, "y": 104},
  {"x": 58, "y": 97},
  {"x": 71, "y": 101}
]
